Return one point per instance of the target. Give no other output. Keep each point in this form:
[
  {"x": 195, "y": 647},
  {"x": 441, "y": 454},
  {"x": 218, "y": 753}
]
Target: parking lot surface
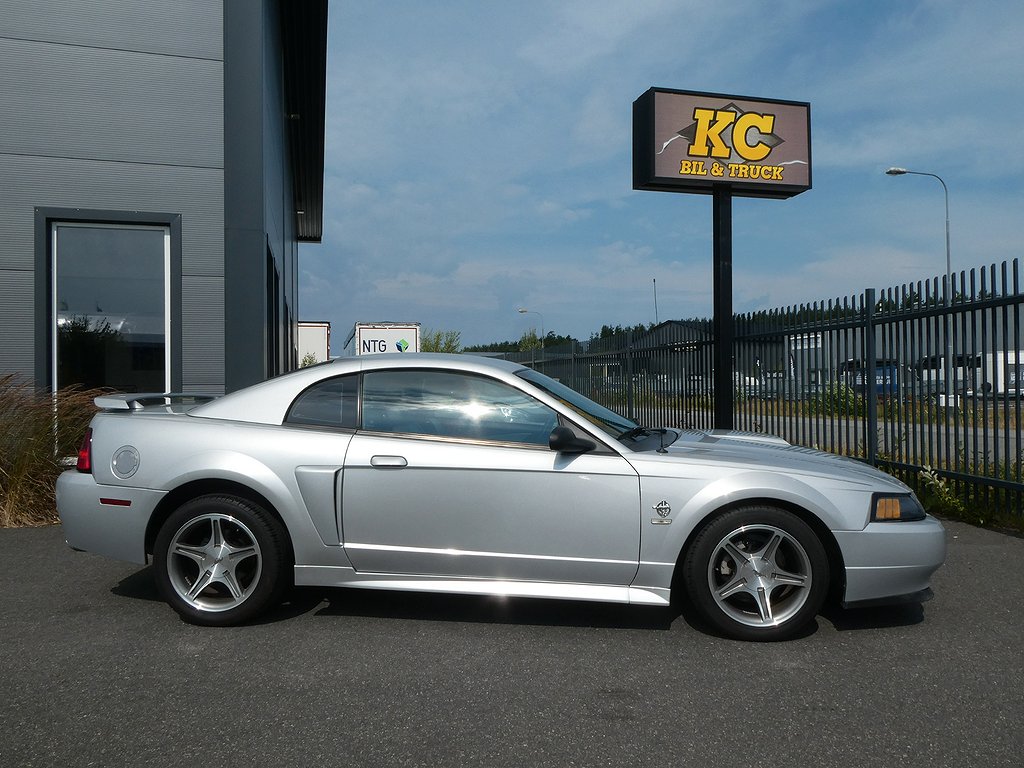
[{"x": 97, "y": 671}]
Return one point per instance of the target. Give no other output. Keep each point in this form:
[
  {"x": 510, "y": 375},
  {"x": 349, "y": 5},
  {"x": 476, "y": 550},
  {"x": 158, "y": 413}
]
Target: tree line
[{"x": 531, "y": 339}]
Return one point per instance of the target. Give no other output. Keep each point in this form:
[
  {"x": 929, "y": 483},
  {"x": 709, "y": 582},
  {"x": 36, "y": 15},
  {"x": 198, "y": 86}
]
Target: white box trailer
[
  {"x": 379, "y": 338},
  {"x": 314, "y": 341},
  {"x": 1001, "y": 374}
]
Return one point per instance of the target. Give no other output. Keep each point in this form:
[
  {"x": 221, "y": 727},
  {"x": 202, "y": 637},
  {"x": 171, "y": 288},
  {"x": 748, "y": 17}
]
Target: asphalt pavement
[{"x": 96, "y": 671}]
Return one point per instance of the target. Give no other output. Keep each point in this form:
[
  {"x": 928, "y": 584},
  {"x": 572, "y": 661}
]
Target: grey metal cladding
[
  {"x": 191, "y": 28},
  {"x": 195, "y": 193},
  {"x": 104, "y": 104},
  {"x": 202, "y": 338},
  {"x": 275, "y": 149},
  {"x": 17, "y": 330}
]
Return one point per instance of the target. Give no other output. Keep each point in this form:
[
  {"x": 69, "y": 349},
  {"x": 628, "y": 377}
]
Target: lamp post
[
  {"x": 525, "y": 311},
  {"x": 948, "y": 282}
]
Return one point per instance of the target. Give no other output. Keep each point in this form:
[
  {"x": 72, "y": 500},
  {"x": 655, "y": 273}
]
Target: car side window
[
  {"x": 328, "y": 403},
  {"x": 456, "y": 405}
]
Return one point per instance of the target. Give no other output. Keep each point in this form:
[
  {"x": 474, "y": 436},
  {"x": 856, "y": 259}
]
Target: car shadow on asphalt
[
  {"x": 423, "y": 606},
  {"x": 480, "y": 609},
  {"x": 417, "y": 606},
  {"x": 140, "y": 586},
  {"x": 877, "y": 617}
]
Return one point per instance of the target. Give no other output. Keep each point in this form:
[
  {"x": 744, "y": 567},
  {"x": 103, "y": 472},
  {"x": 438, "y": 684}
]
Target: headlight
[{"x": 894, "y": 508}]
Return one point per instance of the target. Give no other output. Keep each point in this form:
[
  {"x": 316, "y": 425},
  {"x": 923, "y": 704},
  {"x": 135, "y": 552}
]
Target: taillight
[{"x": 85, "y": 453}]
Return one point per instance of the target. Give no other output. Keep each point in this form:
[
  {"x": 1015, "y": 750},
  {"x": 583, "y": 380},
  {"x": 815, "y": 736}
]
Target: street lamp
[
  {"x": 525, "y": 311},
  {"x": 948, "y": 287},
  {"x": 945, "y": 189}
]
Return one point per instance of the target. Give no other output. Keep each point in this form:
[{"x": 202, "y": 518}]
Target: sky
[{"x": 479, "y": 157}]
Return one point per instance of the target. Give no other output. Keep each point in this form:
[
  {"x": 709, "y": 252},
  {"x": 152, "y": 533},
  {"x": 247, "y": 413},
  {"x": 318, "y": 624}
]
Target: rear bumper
[
  {"x": 891, "y": 562},
  {"x": 106, "y": 520}
]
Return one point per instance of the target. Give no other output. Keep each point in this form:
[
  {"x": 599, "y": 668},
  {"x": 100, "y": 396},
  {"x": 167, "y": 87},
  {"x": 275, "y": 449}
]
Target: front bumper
[
  {"x": 887, "y": 562},
  {"x": 107, "y": 520}
]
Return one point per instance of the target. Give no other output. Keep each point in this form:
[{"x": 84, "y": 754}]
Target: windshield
[{"x": 609, "y": 421}]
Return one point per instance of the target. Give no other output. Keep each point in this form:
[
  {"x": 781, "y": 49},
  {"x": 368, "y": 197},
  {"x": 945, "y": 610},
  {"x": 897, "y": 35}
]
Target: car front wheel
[
  {"x": 757, "y": 573},
  {"x": 221, "y": 560}
]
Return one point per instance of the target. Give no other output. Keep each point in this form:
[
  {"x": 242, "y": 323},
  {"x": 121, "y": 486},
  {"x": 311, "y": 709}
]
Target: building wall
[
  {"x": 153, "y": 113},
  {"x": 261, "y": 251},
  {"x": 114, "y": 105},
  {"x": 279, "y": 210}
]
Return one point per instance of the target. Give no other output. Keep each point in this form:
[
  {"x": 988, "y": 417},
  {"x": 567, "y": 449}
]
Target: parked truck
[{"x": 963, "y": 371}]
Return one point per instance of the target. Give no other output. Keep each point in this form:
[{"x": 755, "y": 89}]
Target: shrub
[
  {"x": 940, "y": 497},
  {"x": 38, "y": 430},
  {"x": 836, "y": 399}
]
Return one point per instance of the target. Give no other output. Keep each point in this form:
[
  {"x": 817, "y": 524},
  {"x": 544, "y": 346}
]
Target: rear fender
[{"x": 221, "y": 471}]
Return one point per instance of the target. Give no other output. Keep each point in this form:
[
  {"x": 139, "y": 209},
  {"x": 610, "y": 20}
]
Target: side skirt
[{"x": 334, "y": 576}]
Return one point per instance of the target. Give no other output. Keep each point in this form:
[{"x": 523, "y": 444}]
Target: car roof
[{"x": 268, "y": 401}]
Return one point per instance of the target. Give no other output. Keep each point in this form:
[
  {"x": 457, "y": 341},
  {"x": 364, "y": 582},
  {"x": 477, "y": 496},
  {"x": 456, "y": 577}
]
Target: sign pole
[
  {"x": 724, "y": 146},
  {"x": 723, "y": 324}
]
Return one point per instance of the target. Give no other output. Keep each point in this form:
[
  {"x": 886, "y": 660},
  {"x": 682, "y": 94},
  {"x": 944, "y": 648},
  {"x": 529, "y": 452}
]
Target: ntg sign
[
  {"x": 380, "y": 338},
  {"x": 685, "y": 141}
]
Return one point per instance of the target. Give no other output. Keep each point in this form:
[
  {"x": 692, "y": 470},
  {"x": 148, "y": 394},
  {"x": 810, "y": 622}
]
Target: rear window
[{"x": 328, "y": 403}]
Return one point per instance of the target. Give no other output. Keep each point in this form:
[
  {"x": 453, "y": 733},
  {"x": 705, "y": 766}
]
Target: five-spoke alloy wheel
[
  {"x": 757, "y": 573},
  {"x": 221, "y": 560}
]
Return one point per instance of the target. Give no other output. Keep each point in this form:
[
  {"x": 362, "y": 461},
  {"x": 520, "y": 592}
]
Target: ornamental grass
[{"x": 40, "y": 433}]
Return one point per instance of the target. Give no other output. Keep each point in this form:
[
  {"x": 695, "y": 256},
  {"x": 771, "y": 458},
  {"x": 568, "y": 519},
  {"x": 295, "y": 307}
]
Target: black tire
[
  {"x": 757, "y": 573},
  {"x": 222, "y": 560}
]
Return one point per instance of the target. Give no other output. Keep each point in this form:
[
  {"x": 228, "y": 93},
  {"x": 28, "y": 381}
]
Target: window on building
[{"x": 111, "y": 293}]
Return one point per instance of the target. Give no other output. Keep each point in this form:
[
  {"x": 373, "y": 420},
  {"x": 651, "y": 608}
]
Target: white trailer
[
  {"x": 314, "y": 341},
  {"x": 1001, "y": 374},
  {"x": 378, "y": 338}
]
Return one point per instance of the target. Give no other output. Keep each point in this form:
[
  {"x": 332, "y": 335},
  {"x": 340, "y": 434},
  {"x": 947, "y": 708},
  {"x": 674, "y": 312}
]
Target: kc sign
[
  {"x": 685, "y": 141},
  {"x": 723, "y": 146}
]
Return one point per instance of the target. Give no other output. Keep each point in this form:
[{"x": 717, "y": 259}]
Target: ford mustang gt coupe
[{"x": 451, "y": 473}]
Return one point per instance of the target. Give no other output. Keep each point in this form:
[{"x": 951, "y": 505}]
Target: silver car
[{"x": 450, "y": 473}]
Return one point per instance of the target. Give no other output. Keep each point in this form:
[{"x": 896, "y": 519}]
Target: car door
[{"x": 451, "y": 475}]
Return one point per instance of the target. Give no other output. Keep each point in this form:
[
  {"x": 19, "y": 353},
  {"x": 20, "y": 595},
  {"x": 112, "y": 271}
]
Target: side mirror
[{"x": 564, "y": 440}]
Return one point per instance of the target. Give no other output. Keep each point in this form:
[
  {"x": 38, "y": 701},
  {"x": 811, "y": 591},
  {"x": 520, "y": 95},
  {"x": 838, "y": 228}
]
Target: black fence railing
[{"x": 924, "y": 380}]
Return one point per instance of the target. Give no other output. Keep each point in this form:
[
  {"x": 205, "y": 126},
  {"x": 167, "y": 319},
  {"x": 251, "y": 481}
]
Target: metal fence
[{"x": 923, "y": 380}]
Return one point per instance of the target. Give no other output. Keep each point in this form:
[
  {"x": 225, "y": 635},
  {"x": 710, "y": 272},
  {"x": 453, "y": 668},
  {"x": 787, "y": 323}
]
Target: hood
[{"x": 752, "y": 450}]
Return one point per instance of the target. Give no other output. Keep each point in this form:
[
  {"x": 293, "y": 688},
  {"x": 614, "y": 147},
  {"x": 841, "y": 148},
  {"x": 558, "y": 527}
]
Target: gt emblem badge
[{"x": 663, "y": 509}]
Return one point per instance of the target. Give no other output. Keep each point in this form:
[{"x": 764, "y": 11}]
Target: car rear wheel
[
  {"x": 221, "y": 560},
  {"x": 757, "y": 573}
]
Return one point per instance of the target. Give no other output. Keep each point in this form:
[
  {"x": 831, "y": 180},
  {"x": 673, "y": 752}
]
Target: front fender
[{"x": 693, "y": 502}]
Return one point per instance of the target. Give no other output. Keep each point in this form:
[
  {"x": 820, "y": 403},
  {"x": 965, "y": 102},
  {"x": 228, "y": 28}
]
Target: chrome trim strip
[{"x": 471, "y": 553}]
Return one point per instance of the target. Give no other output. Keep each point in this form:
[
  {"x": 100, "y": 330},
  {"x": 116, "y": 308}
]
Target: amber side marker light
[
  {"x": 887, "y": 509},
  {"x": 896, "y": 508}
]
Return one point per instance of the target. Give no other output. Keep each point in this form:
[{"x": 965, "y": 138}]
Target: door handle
[{"x": 388, "y": 462}]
